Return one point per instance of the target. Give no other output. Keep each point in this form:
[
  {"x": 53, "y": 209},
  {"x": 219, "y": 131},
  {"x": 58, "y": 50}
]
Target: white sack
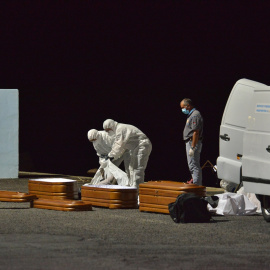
[
  {"x": 252, "y": 197},
  {"x": 233, "y": 204},
  {"x": 110, "y": 169}
]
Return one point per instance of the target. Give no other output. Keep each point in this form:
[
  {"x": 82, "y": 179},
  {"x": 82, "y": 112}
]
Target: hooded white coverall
[
  {"x": 128, "y": 137},
  {"x": 103, "y": 145}
]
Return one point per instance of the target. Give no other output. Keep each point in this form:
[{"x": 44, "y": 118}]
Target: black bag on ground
[{"x": 189, "y": 208}]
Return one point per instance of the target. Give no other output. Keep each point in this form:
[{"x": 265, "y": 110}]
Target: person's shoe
[{"x": 190, "y": 181}]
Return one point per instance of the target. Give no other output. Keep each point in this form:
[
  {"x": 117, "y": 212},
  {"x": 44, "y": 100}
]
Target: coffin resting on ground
[
  {"x": 13, "y": 196},
  {"x": 62, "y": 205},
  {"x": 111, "y": 196},
  {"x": 53, "y": 188},
  {"x": 155, "y": 196}
]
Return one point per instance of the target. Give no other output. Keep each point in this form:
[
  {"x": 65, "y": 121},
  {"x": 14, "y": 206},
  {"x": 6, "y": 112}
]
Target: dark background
[{"x": 77, "y": 63}]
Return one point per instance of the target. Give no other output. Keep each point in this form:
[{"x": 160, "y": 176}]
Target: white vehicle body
[{"x": 244, "y": 144}]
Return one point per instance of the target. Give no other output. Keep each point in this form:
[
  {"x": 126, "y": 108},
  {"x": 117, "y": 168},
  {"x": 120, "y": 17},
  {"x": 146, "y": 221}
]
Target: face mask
[{"x": 185, "y": 111}]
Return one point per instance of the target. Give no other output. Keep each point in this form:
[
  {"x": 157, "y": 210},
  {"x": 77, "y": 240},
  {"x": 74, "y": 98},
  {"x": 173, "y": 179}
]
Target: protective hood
[
  {"x": 92, "y": 134},
  {"x": 109, "y": 123}
]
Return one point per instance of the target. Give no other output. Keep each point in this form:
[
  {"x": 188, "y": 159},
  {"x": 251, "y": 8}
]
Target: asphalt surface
[{"x": 33, "y": 238}]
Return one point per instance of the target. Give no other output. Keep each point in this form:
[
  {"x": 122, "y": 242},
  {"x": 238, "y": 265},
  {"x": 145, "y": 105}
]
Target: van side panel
[
  {"x": 256, "y": 145},
  {"x": 257, "y": 188},
  {"x": 234, "y": 122},
  {"x": 236, "y": 111}
]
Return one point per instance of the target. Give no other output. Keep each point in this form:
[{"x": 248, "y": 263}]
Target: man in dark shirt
[{"x": 192, "y": 135}]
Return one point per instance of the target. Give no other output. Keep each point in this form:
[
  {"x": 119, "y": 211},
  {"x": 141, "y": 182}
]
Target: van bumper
[{"x": 229, "y": 170}]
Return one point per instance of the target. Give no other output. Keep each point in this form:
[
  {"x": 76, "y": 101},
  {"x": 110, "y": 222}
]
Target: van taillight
[{"x": 239, "y": 156}]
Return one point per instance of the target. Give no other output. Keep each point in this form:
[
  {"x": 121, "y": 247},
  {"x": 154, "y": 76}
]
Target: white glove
[
  {"x": 191, "y": 152},
  {"x": 103, "y": 163}
]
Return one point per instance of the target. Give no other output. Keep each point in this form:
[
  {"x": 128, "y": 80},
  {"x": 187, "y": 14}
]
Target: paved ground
[{"x": 125, "y": 239}]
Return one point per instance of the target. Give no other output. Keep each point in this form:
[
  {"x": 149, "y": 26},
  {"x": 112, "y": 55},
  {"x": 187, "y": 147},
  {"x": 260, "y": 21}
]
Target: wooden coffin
[
  {"x": 53, "y": 188},
  {"x": 154, "y": 196},
  {"x": 13, "y": 196},
  {"x": 110, "y": 196},
  {"x": 62, "y": 205}
]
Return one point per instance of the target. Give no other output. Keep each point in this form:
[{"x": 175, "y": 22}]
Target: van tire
[{"x": 266, "y": 214}]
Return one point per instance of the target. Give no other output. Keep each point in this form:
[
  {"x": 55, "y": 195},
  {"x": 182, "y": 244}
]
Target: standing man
[
  {"x": 130, "y": 138},
  {"x": 193, "y": 135}
]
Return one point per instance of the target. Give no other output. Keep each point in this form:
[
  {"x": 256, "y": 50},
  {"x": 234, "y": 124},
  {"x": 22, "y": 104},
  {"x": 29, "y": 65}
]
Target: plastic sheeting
[
  {"x": 252, "y": 197},
  {"x": 233, "y": 204},
  {"x": 110, "y": 170},
  {"x": 228, "y": 186},
  {"x": 109, "y": 186}
]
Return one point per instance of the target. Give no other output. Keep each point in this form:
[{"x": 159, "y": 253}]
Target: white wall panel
[{"x": 9, "y": 133}]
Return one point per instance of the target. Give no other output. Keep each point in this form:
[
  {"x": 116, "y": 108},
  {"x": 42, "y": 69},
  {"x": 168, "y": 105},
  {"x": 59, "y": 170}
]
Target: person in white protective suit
[
  {"x": 128, "y": 137},
  {"x": 102, "y": 143}
]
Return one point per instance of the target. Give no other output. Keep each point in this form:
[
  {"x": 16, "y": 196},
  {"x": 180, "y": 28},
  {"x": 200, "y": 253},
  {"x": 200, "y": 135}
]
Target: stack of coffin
[
  {"x": 53, "y": 188},
  {"x": 110, "y": 196},
  {"x": 156, "y": 195},
  {"x": 57, "y": 194}
]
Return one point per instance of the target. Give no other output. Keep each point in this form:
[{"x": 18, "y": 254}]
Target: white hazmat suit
[
  {"x": 102, "y": 143},
  {"x": 128, "y": 137}
]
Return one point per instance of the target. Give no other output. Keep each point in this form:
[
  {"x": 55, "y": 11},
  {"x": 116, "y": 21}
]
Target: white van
[{"x": 244, "y": 140}]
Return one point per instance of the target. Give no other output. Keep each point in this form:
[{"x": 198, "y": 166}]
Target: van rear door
[
  {"x": 256, "y": 145},
  {"x": 233, "y": 124}
]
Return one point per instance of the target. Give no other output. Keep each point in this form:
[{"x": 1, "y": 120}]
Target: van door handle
[
  {"x": 225, "y": 137},
  {"x": 268, "y": 149}
]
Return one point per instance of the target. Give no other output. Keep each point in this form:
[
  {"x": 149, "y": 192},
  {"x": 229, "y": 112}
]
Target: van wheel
[{"x": 266, "y": 214}]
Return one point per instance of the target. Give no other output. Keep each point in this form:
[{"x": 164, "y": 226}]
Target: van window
[{"x": 238, "y": 107}]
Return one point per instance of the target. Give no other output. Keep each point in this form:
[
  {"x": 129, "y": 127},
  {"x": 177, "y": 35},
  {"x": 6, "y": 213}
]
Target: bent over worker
[
  {"x": 192, "y": 136},
  {"x": 102, "y": 143},
  {"x": 128, "y": 137}
]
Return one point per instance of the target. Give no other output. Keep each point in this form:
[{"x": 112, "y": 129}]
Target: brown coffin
[
  {"x": 62, "y": 205},
  {"x": 53, "y": 195},
  {"x": 56, "y": 189},
  {"x": 113, "y": 196},
  {"x": 156, "y": 195},
  {"x": 145, "y": 207},
  {"x": 13, "y": 196}
]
